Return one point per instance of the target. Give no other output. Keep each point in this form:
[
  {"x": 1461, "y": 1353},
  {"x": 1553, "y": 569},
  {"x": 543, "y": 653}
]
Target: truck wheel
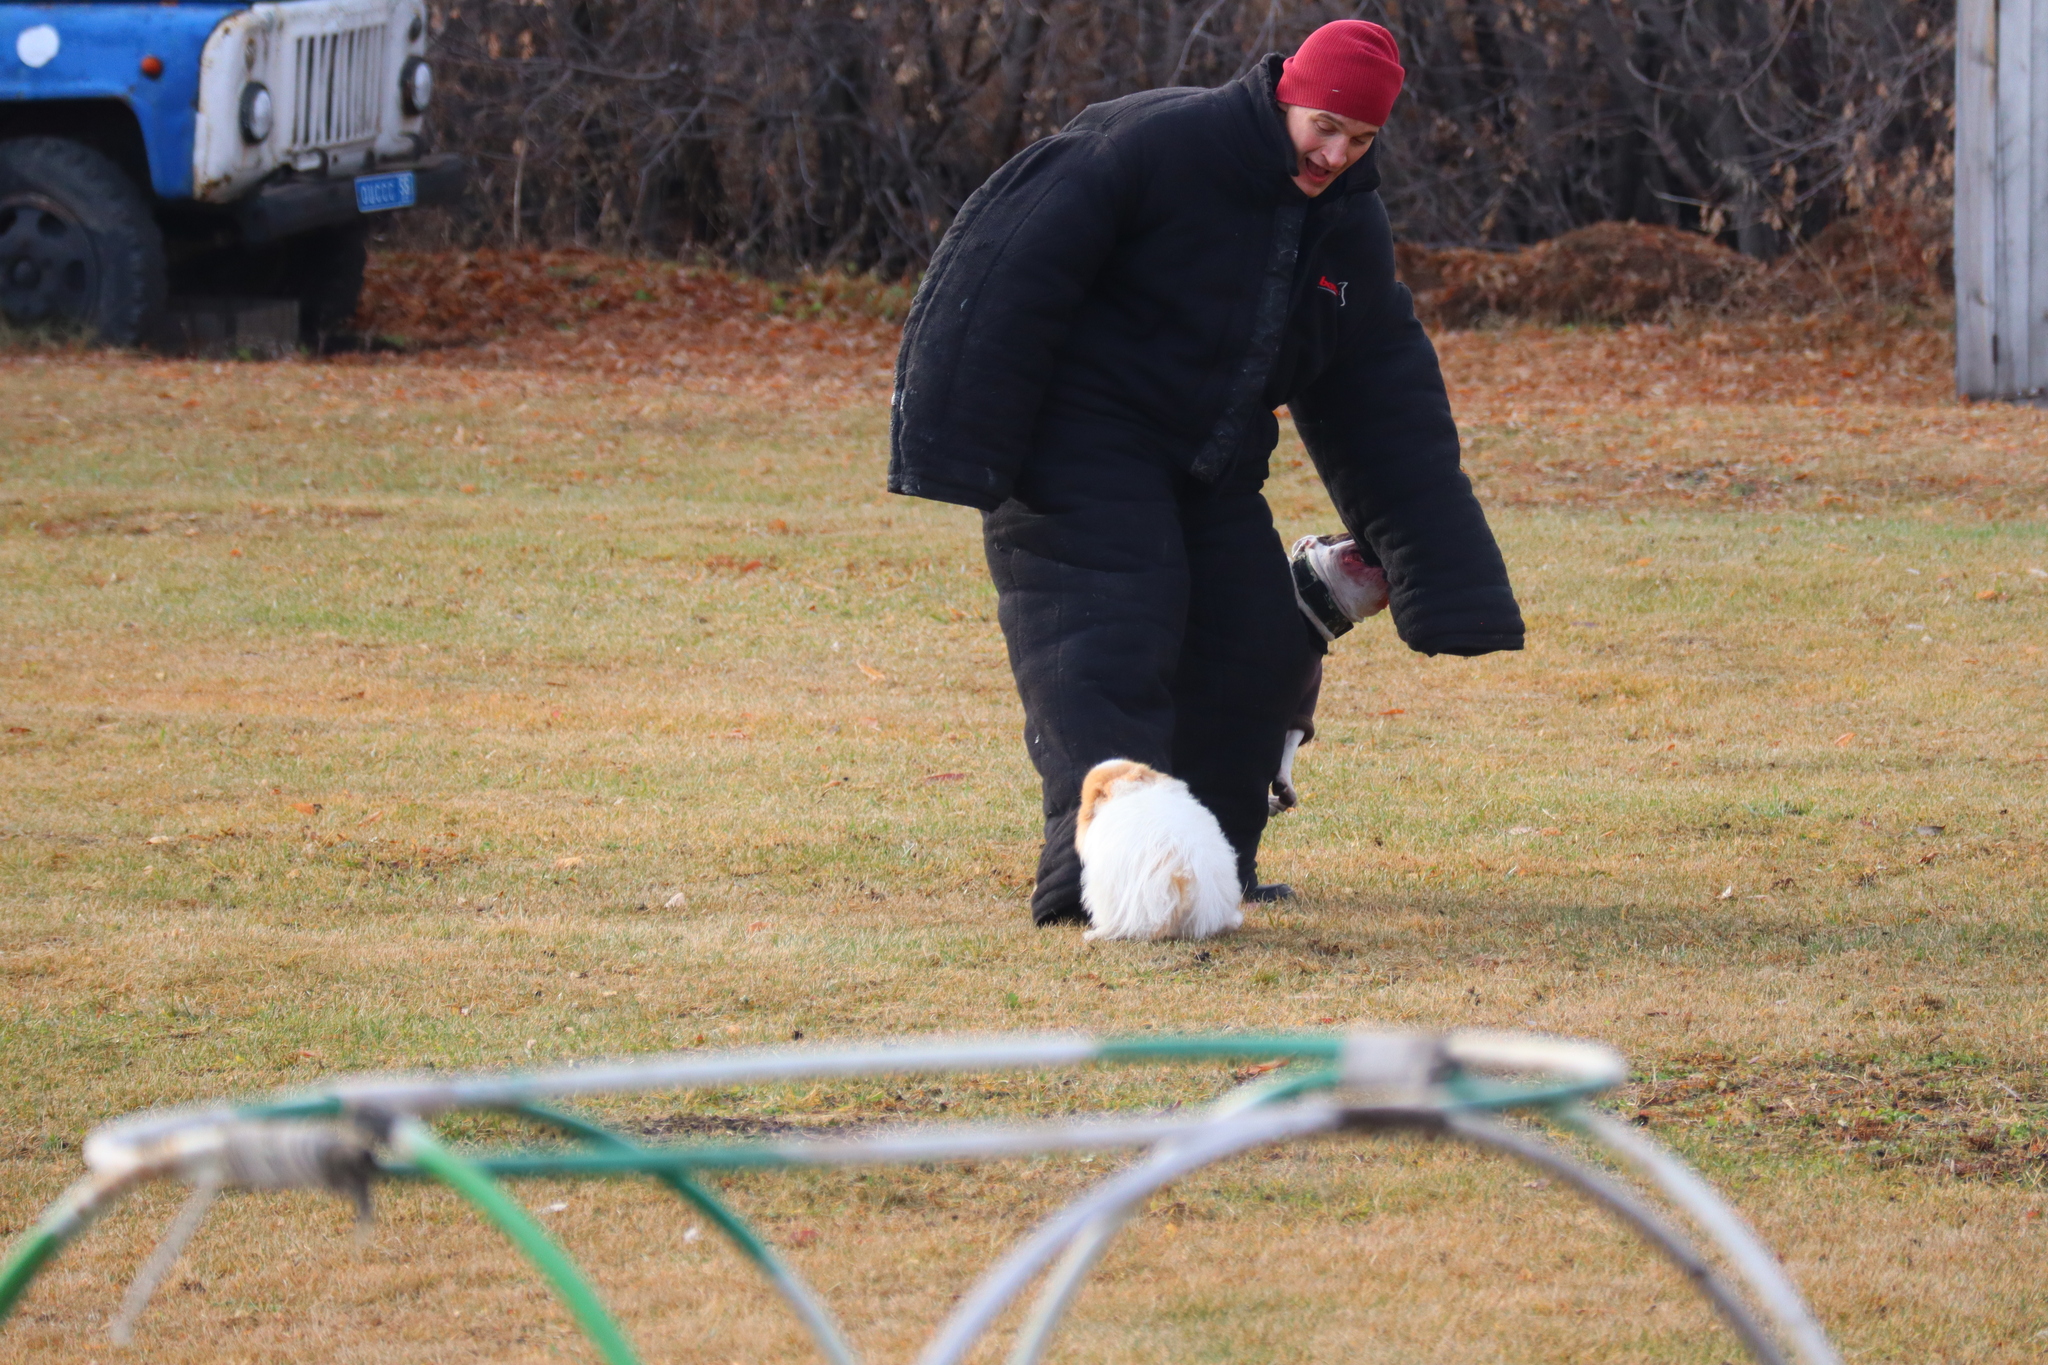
[
  {"x": 324, "y": 272},
  {"x": 78, "y": 244}
]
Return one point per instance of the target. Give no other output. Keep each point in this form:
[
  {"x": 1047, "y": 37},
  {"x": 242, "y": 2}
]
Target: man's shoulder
[{"x": 1168, "y": 112}]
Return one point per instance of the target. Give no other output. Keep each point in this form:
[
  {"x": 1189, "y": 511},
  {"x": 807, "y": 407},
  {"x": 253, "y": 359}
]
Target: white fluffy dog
[{"x": 1154, "y": 862}]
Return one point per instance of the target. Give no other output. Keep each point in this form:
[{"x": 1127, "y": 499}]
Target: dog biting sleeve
[{"x": 1377, "y": 423}]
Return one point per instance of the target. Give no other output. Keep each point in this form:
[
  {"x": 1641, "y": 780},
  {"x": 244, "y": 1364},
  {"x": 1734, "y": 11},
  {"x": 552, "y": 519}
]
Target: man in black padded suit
[{"x": 1094, "y": 360}]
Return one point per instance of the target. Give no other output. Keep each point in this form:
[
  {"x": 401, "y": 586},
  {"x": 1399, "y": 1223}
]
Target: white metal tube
[
  {"x": 168, "y": 1248},
  {"x": 1215, "y": 1140},
  {"x": 1751, "y": 1258},
  {"x": 1566, "y": 1058},
  {"x": 980, "y": 1143},
  {"x": 424, "y": 1097},
  {"x": 689, "y": 1072},
  {"x": 1065, "y": 1280},
  {"x": 1482, "y": 1132},
  {"x": 811, "y": 1311},
  {"x": 1056, "y": 1295}
]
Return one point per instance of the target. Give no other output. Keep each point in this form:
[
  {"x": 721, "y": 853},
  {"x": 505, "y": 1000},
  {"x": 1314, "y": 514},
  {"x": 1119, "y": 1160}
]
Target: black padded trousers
[{"x": 1151, "y": 617}]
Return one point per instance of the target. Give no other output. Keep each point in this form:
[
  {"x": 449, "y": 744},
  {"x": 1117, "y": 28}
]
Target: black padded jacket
[{"x": 1150, "y": 278}]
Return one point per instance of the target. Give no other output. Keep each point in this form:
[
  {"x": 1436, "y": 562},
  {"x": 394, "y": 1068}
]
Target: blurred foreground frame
[{"x": 1481, "y": 1088}]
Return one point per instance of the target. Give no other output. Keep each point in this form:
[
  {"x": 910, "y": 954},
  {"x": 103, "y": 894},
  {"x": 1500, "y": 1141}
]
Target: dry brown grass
[{"x": 367, "y": 715}]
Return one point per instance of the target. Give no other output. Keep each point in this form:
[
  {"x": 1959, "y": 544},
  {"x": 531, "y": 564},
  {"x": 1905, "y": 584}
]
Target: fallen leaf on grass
[
  {"x": 19, "y": 730},
  {"x": 161, "y": 839},
  {"x": 1727, "y": 893},
  {"x": 1245, "y": 1073},
  {"x": 1396, "y": 711},
  {"x": 307, "y": 807},
  {"x": 874, "y": 674},
  {"x": 372, "y": 818},
  {"x": 1990, "y": 595},
  {"x": 675, "y": 902},
  {"x": 1842, "y": 740},
  {"x": 563, "y": 864},
  {"x": 350, "y": 696},
  {"x": 942, "y": 777}
]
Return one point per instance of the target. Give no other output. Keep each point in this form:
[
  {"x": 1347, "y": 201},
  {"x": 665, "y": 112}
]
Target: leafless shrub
[{"x": 779, "y": 133}]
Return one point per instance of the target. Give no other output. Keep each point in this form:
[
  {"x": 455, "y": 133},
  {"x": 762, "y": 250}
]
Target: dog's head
[{"x": 1105, "y": 780}]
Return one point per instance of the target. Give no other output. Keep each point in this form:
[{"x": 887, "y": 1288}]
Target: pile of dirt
[
  {"x": 1857, "y": 315},
  {"x": 1614, "y": 273},
  {"x": 1609, "y": 272},
  {"x": 418, "y": 299},
  {"x": 584, "y": 310},
  {"x": 1889, "y": 257}
]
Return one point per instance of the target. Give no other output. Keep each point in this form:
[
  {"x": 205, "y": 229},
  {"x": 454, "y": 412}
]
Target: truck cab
[{"x": 155, "y": 150}]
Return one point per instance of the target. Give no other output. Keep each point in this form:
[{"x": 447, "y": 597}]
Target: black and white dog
[
  {"x": 1154, "y": 862},
  {"x": 1336, "y": 587}
]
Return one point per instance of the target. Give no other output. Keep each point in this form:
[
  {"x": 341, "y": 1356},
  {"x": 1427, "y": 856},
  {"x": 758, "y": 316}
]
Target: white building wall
[{"x": 2002, "y": 199}]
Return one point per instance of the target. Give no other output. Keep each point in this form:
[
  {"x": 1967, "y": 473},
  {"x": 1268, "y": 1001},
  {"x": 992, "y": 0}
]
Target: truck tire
[{"x": 78, "y": 244}]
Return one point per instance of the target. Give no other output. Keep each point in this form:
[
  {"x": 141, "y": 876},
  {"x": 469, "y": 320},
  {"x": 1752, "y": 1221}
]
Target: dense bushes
[{"x": 778, "y": 133}]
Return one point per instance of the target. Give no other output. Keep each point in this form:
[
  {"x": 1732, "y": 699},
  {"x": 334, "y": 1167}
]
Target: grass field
[{"x": 400, "y": 715}]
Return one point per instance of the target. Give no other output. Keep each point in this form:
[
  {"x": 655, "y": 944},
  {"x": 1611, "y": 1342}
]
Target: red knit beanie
[{"x": 1349, "y": 67}]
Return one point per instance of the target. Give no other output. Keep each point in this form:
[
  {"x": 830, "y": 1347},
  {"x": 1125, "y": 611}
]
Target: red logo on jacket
[{"x": 1337, "y": 288}]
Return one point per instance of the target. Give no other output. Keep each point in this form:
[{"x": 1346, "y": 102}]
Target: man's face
[{"x": 1326, "y": 145}]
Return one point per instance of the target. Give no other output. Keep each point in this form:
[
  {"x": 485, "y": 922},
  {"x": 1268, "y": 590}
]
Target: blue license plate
[{"x": 375, "y": 193}]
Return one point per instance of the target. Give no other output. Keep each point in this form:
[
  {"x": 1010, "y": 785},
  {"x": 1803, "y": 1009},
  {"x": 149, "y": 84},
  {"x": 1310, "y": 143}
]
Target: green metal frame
[{"x": 417, "y": 1154}]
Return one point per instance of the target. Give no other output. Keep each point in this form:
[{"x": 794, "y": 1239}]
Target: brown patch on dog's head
[{"x": 1098, "y": 785}]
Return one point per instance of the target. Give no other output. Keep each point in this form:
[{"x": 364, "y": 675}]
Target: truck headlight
[
  {"x": 416, "y": 85},
  {"x": 259, "y": 113}
]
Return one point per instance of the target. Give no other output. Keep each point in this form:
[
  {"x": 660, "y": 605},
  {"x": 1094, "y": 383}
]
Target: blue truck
[{"x": 149, "y": 151}]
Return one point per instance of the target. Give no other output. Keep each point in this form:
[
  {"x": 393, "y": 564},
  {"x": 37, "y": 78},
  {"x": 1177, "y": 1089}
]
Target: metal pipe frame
[{"x": 1363, "y": 1084}]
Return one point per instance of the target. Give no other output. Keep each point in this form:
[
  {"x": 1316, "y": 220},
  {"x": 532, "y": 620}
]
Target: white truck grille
[{"x": 338, "y": 86}]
